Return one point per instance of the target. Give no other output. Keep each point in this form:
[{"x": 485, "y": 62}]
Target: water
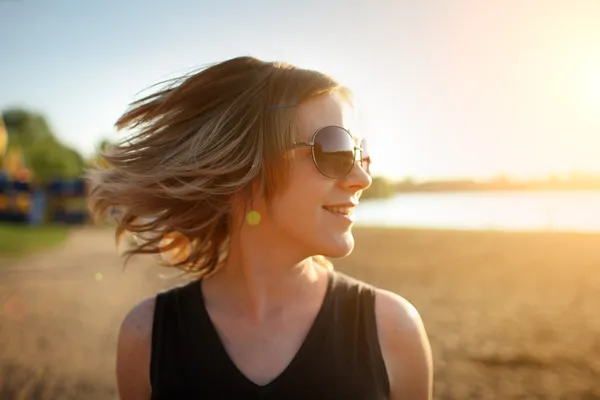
[{"x": 577, "y": 211}]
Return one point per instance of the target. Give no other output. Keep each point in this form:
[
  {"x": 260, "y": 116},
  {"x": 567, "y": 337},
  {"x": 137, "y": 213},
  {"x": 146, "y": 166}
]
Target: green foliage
[{"x": 43, "y": 153}]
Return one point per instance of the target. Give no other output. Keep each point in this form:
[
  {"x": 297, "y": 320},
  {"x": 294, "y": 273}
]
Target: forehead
[{"x": 324, "y": 110}]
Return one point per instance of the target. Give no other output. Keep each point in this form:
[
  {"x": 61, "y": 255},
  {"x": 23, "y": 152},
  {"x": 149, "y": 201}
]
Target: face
[{"x": 316, "y": 212}]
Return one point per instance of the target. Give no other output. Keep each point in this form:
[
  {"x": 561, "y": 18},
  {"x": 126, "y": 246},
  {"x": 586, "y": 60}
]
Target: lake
[{"x": 575, "y": 211}]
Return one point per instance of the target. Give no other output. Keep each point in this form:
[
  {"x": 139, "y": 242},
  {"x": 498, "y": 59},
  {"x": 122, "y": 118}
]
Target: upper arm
[
  {"x": 133, "y": 352},
  {"x": 405, "y": 347}
]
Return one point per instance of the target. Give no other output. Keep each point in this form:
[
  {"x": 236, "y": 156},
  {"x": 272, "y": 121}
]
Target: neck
[{"x": 264, "y": 273}]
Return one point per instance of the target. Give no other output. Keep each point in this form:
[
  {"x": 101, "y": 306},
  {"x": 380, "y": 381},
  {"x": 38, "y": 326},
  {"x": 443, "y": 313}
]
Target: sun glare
[
  {"x": 590, "y": 80},
  {"x": 594, "y": 88}
]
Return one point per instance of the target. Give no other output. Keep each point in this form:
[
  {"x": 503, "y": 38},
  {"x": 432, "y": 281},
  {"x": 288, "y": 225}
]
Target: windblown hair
[{"x": 198, "y": 141}]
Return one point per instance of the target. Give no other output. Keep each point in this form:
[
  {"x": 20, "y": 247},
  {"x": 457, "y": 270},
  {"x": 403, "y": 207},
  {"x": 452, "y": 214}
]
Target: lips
[
  {"x": 344, "y": 213},
  {"x": 340, "y": 210}
]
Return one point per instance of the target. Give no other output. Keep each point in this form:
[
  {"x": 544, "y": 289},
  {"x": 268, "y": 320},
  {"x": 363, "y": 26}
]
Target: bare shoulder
[
  {"x": 398, "y": 311},
  {"x": 405, "y": 347},
  {"x": 134, "y": 346}
]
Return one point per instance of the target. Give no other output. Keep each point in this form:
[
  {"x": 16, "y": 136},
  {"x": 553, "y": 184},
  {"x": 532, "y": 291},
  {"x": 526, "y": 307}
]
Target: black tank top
[{"x": 340, "y": 357}]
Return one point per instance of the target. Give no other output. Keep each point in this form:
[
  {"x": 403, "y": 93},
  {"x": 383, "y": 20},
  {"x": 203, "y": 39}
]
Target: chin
[{"x": 338, "y": 246}]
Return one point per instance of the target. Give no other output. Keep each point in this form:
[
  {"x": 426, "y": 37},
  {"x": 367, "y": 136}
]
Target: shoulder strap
[
  {"x": 367, "y": 301},
  {"x": 167, "y": 327},
  {"x": 157, "y": 334},
  {"x": 357, "y": 305}
]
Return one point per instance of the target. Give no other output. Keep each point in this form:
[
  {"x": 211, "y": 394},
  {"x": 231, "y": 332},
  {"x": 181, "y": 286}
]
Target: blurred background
[{"x": 483, "y": 119}]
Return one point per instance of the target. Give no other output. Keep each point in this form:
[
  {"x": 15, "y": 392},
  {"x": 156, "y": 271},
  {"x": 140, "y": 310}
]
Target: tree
[{"x": 46, "y": 157}]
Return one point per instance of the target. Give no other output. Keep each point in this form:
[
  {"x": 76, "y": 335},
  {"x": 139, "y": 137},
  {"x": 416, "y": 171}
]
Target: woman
[{"x": 254, "y": 169}]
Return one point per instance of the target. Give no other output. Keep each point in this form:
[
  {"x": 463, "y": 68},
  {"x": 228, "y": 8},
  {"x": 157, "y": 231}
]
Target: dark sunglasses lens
[{"x": 334, "y": 152}]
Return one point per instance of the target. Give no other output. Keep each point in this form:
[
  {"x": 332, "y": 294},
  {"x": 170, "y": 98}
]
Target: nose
[{"x": 357, "y": 179}]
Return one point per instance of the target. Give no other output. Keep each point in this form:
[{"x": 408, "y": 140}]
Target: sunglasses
[{"x": 334, "y": 152}]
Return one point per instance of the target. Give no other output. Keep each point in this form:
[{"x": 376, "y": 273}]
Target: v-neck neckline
[{"x": 296, "y": 359}]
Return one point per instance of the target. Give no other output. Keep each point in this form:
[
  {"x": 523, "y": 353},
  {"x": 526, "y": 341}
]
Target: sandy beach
[{"x": 509, "y": 315}]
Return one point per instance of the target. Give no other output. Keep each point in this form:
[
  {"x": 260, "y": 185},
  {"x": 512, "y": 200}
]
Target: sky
[{"x": 446, "y": 89}]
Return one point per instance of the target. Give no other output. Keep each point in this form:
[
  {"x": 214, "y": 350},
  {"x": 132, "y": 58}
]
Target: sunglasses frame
[{"x": 355, "y": 150}]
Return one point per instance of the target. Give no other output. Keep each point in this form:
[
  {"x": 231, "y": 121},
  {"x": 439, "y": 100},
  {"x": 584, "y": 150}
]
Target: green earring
[{"x": 253, "y": 218}]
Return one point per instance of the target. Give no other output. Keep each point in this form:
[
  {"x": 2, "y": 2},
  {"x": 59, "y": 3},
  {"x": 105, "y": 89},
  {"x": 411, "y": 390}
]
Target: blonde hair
[{"x": 203, "y": 138}]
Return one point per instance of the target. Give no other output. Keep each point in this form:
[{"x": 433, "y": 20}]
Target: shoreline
[{"x": 474, "y": 231}]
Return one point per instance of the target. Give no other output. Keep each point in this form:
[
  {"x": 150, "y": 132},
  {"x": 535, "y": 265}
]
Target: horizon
[{"x": 461, "y": 91}]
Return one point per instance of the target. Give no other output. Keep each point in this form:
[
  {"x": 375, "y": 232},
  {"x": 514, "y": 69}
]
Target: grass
[{"x": 17, "y": 240}]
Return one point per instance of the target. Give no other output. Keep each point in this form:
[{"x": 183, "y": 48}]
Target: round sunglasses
[{"x": 334, "y": 152}]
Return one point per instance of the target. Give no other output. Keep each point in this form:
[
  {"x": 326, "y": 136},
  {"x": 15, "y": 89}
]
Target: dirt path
[{"x": 60, "y": 314}]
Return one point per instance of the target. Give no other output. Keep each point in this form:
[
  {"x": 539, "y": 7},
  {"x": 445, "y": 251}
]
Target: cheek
[{"x": 300, "y": 204}]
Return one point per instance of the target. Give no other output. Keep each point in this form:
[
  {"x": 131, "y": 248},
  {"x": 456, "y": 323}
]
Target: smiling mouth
[{"x": 344, "y": 211}]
